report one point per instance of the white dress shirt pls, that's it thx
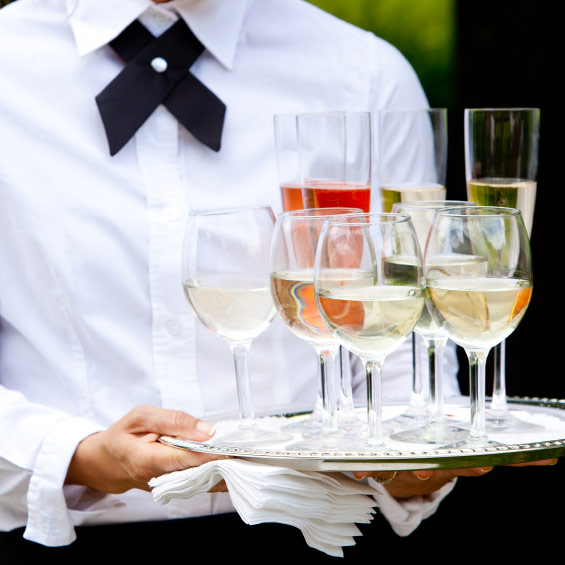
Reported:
(93, 316)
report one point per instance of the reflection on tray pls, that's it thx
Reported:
(547, 440)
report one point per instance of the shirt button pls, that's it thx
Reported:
(159, 64)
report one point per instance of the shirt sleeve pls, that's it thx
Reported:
(41, 444)
(405, 515)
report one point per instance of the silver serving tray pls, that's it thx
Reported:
(513, 448)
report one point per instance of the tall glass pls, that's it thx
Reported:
(226, 279)
(435, 430)
(335, 159)
(501, 162)
(412, 156)
(288, 169)
(292, 285)
(369, 303)
(477, 311)
(412, 164)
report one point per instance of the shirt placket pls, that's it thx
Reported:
(173, 328)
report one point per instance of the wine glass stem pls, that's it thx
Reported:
(240, 355)
(374, 401)
(477, 361)
(499, 389)
(346, 396)
(435, 348)
(326, 359)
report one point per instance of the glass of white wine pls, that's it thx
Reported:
(501, 163)
(369, 308)
(412, 165)
(292, 285)
(412, 155)
(478, 310)
(225, 270)
(436, 429)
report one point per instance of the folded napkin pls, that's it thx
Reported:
(324, 507)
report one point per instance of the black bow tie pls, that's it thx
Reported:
(156, 72)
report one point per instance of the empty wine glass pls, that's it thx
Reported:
(368, 303)
(225, 270)
(435, 430)
(501, 163)
(292, 285)
(477, 310)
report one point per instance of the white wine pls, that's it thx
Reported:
(512, 193)
(478, 313)
(235, 313)
(293, 295)
(371, 321)
(454, 265)
(410, 193)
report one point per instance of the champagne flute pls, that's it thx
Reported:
(288, 169)
(435, 430)
(335, 159)
(479, 310)
(501, 157)
(412, 164)
(292, 285)
(366, 307)
(225, 270)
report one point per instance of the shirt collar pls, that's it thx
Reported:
(216, 23)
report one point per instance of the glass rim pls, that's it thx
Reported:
(430, 204)
(414, 109)
(304, 213)
(503, 109)
(371, 217)
(498, 211)
(228, 210)
(333, 113)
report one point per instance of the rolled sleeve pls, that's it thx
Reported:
(405, 515)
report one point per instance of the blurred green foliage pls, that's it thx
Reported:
(423, 30)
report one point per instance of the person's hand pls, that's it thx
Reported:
(405, 484)
(127, 455)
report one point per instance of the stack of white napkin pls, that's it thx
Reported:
(324, 507)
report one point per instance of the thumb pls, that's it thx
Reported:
(164, 421)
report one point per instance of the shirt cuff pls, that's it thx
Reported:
(49, 520)
(405, 514)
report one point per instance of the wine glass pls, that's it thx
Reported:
(335, 159)
(225, 270)
(412, 164)
(478, 310)
(292, 285)
(369, 302)
(435, 430)
(501, 158)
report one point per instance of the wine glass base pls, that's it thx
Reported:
(252, 436)
(437, 433)
(473, 443)
(504, 421)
